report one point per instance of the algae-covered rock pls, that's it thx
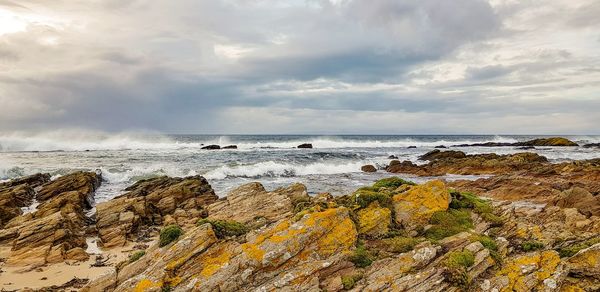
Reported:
(374, 221)
(416, 206)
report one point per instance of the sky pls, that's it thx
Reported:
(289, 67)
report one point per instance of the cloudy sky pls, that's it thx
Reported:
(313, 66)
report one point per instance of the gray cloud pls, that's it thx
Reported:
(377, 66)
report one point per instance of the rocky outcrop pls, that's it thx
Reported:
(305, 145)
(414, 207)
(437, 154)
(17, 194)
(368, 168)
(153, 202)
(553, 141)
(211, 147)
(586, 262)
(251, 201)
(56, 230)
(374, 221)
(288, 255)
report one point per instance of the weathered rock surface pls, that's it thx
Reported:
(150, 203)
(18, 193)
(250, 201)
(437, 154)
(414, 207)
(374, 221)
(289, 256)
(56, 230)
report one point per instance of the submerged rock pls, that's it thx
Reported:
(305, 145)
(230, 147)
(211, 147)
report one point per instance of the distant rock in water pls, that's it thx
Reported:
(554, 141)
(592, 145)
(440, 146)
(230, 147)
(368, 168)
(526, 148)
(212, 147)
(305, 145)
(437, 154)
(392, 157)
(411, 147)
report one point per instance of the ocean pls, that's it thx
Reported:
(333, 165)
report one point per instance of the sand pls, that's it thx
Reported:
(14, 278)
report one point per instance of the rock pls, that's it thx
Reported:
(56, 230)
(211, 147)
(586, 262)
(374, 221)
(148, 202)
(288, 256)
(82, 182)
(579, 198)
(526, 148)
(33, 181)
(411, 147)
(249, 201)
(415, 206)
(12, 199)
(230, 147)
(537, 271)
(392, 157)
(368, 168)
(437, 154)
(440, 147)
(592, 145)
(305, 145)
(554, 141)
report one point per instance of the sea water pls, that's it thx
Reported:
(333, 165)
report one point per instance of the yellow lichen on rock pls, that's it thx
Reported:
(212, 264)
(146, 285)
(374, 220)
(518, 271)
(416, 205)
(340, 239)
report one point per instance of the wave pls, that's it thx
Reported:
(278, 169)
(82, 140)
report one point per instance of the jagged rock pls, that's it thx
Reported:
(374, 221)
(18, 193)
(586, 262)
(286, 256)
(305, 145)
(537, 271)
(579, 198)
(148, 202)
(211, 147)
(437, 154)
(368, 168)
(250, 201)
(82, 182)
(397, 273)
(416, 206)
(33, 181)
(56, 230)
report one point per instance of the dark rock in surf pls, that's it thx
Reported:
(526, 147)
(440, 147)
(305, 145)
(592, 145)
(554, 141)
(368, 168)
(412, 147)
(230, 147)
(211, 147)
(392, 157)
(437, 154)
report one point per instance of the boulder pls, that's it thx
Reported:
(251, 201)
(305, 145)
(82, 182)
(586, 262)
(211, 147)
(374, 221)
(148, 203)
(437, 154)
(230, 147)
(416, 206)
(368, 168)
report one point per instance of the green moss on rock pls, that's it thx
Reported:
(169, 234)
(225, 228)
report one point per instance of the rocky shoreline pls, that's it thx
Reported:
(531, 225)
